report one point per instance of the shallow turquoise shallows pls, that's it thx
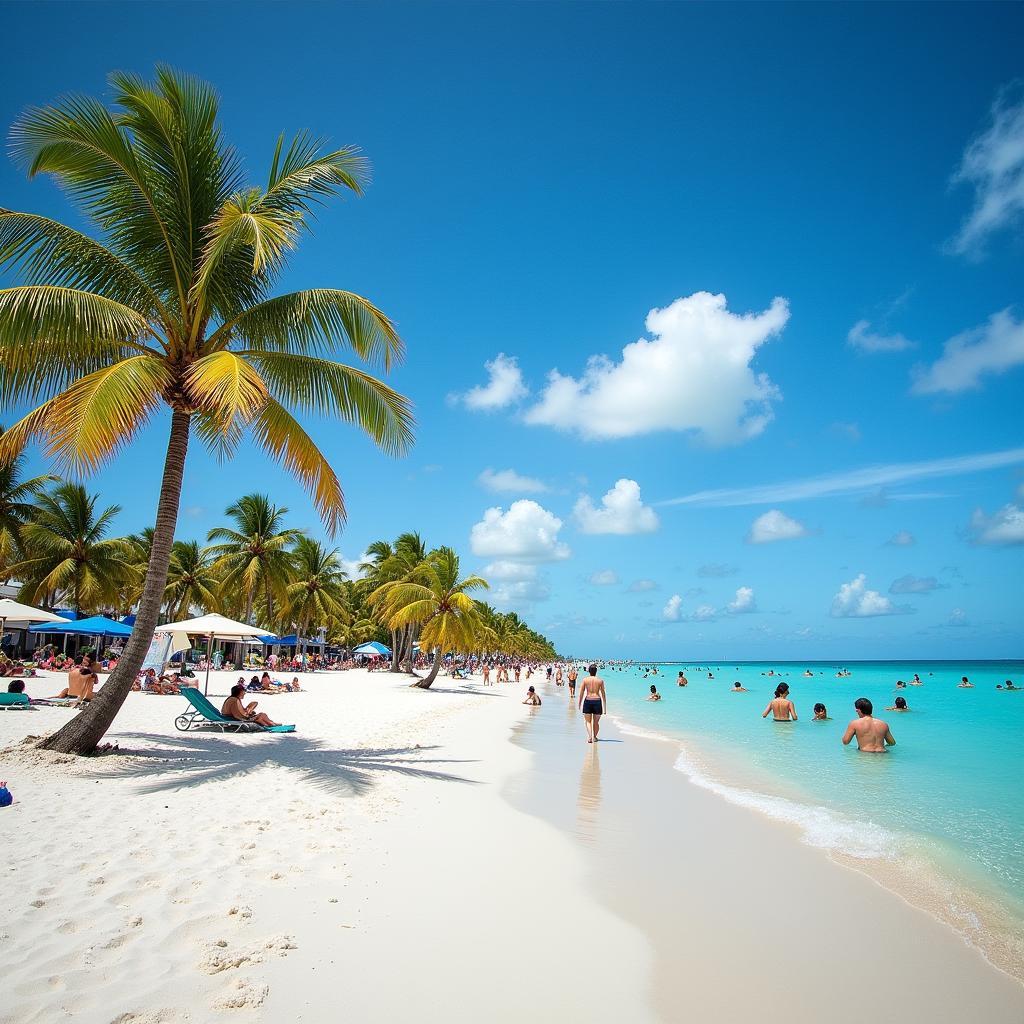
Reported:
(952, 789)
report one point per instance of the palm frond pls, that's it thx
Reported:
(227, 387)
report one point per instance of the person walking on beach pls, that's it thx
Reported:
(572, 677)
(780, 707)
(873, 735)
(592, 703)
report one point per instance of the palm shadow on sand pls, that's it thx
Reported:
(191, 759)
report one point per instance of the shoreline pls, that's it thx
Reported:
(635, 815)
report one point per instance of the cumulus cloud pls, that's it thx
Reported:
(639, 586)
(527, 532)
(901, 539)
(958, 617)
(705, 613)
(715, 570)
(994, 164)
(604, 578)
(351, 566)
(510, 480)
(1003, 528)
(774, 525)
(915, 585)
(510, 571)
(992, 348)
(855, 601)
(863, 339)
(518, 594)
(621, 511)
(743, 602)
(673, 610)
(693, 374)
(504, 386)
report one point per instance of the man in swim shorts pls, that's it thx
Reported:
(873, 735)
(592, 702)
(573, 675)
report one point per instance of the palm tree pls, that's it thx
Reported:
(17, 505)
(173, 309)
(68, 554)
(316, 594)
(253, 559)
(438, 602)
(191, 580)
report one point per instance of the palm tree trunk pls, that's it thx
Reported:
(84, 731)
(395, 652)
(424, 684)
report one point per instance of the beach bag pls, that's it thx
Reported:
(5, 796)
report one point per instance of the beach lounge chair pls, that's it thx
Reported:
(202, 713)
(14, 701)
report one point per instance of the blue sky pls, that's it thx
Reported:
(848, 179)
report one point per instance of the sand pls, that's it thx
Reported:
(398, 858)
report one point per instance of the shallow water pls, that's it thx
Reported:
(948, 797)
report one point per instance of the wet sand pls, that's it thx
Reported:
(743, 919)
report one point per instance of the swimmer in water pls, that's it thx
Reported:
(737, 688)
(900, 685)
(873, 735)
(916, 681)
(820, 713)
(654, 693)
(682, 680)
(1009, 686)
(899, 704)
(964, 684)
(780, 707)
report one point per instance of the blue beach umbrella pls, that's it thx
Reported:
(373, 647)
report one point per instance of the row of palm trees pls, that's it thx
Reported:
(57, 541)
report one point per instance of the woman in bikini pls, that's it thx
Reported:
(592, 703)
(780, 707)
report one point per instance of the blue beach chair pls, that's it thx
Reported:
(202, 713)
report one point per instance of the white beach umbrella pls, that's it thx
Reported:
(24, 613)
(214, 627)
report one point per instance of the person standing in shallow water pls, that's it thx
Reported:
(780, 707)
(592, 702)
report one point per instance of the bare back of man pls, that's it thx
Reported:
(873, 735)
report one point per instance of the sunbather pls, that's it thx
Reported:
(81, 681)
(234, 708)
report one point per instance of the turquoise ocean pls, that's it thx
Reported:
(940, 817)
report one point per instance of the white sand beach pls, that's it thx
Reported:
(370, 866)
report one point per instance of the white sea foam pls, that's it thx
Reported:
(819, 826)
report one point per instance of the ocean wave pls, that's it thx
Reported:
(819, 826)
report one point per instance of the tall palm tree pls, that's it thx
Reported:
(315, 595)
(253, 558)
(191, 580)
(17, 505)
(173, 309)
(68, 554)
(437, 601)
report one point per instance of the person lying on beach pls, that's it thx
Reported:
(592, 702)
(234, 708)
(294, 685)
(654, 693)
(964, 684)
(872, 733)
(899, 704)
(780, 707)
(255, 686)
(738, 687)
(820, 713)
(532, 697)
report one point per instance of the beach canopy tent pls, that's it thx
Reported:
(214, 627)
(373, 649)
(18, 612)
(96, 625)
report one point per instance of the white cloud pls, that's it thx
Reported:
(850, 481)
(855, 601)
(622, 511)
(915, 585)
(351, 566)
(1003, 528)
(673, 610)
(863, 339)
(773, 526)
(693, 374)
(743, 602)
(604, 578)
(518, 594)
(992, 348)
(994, 164)
(639, 586)
(527, 532)
(705, 613)
(510, 571)
(901, 539)
(510, 480)
(851, 431)
(504, 387)
(958, 617)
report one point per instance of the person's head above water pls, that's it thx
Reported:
(736, 685)
(863, 705)
(592, 669)
(819, 709)
(782, 689)
(900, 702)
(654, 689)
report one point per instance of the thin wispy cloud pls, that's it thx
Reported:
(864, 339)
(852, 481)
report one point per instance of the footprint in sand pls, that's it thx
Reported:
(38, 903)
(242, 994)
